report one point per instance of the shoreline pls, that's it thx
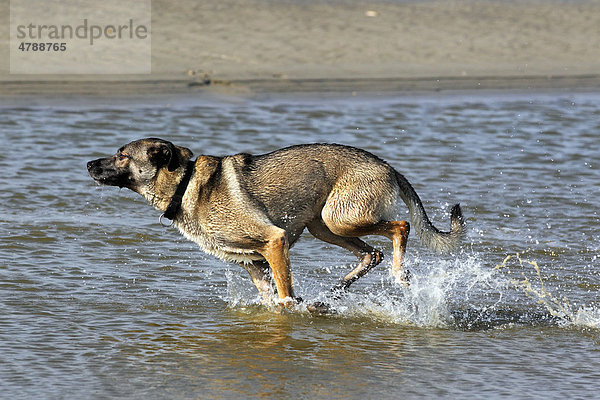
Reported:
(243, 48)
(179, 85)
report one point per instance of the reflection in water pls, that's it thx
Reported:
(252, 352)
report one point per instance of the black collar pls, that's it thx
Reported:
(175, 204)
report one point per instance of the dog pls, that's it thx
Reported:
(250, 209)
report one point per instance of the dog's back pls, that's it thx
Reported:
(341, 184)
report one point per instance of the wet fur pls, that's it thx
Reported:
(250, 209)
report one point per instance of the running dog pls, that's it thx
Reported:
(250, 209)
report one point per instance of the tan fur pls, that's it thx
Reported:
(251, 209)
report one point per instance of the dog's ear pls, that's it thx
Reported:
(183, 155)
(166, 153)
(161, 154)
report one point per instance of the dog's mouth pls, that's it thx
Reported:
(101, 181)
(112, 181)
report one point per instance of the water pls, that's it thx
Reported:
(100, 301)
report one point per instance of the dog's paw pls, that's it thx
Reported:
(402, 277)
(320, 308)
(289, 303)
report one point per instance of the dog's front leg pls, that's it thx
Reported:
(276, 252)
(259, 272)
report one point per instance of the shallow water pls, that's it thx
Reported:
(98, 300)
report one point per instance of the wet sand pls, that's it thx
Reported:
(252, 46)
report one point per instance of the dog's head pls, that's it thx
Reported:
(137, 165)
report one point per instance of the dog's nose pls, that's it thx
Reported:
(93, 167)
(91, 164)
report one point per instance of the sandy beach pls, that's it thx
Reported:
(348, 45)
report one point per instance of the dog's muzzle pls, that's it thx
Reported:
(104, 172)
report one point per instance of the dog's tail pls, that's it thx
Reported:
(433, 238)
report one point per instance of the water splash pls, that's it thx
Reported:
(561, 308)
(464, 293)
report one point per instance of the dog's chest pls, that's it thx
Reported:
(213, 245)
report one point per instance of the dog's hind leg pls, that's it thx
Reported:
(368, 256)
(396, 231)
(259, 272)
